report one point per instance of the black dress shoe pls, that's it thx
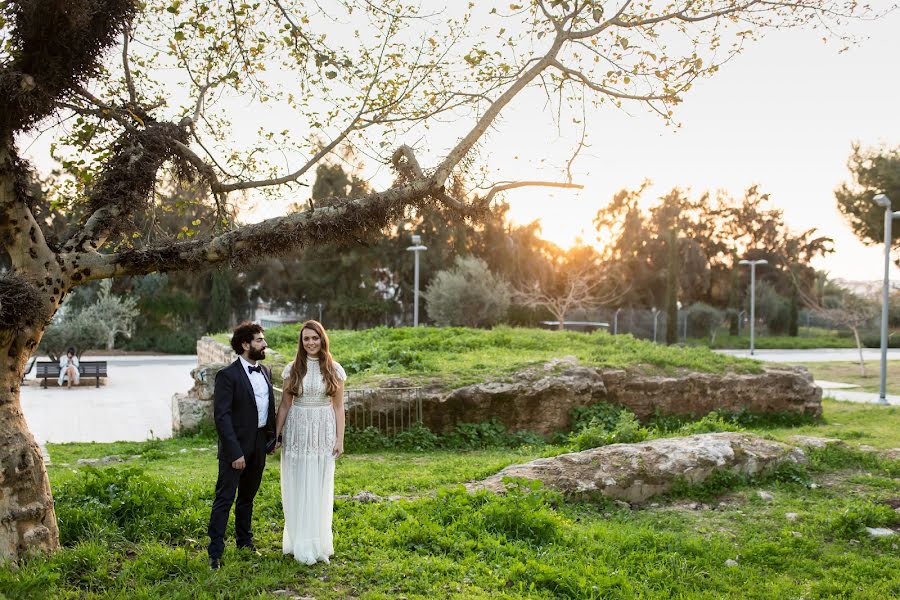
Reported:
(215, 563)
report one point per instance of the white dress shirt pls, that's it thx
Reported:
(260, 390)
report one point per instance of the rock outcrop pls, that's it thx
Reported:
(191, 409)
(538, 400)
(637, 472)
(541, 399)
(775, 390)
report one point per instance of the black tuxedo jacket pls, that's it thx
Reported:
(234, 410)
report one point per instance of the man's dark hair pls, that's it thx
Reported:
(245, 332)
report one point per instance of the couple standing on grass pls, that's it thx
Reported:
(309, 428)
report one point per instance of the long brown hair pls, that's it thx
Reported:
(293, 384)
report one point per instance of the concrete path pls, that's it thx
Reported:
(861, 397)
(818, 355)
(134, 405)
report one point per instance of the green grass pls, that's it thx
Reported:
(456, 356)
(137, 530)
(868, 424)
(780, 342)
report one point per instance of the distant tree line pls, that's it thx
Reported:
(680, 248)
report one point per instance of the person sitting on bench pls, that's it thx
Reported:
(68, 368)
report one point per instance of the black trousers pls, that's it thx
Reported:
(244, 483)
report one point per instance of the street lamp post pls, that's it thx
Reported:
(889, 216)
(753, 264)
(616, 321)
(655, 317)
(415, 249)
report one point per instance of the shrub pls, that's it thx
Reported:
(602, 412)
(855, 515)
(627, 430)
(711, 423)
(418, 438)
(468, 294)
(704, 320)
(126, 504)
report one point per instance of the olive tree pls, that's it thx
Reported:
(161, 90)
(468, 295)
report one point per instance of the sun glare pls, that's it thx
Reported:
(566, 218)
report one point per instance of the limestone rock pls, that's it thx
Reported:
(809, 441)
(99, 462)
(765, 496)
(365, 497)
(540, 399)
(637, 472)
(731, 563)
(188, 412)
(775, 390)
(536, 400)
(880, 532)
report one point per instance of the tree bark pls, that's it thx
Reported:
(27, 517)
(29, 295)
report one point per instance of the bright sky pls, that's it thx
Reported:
(783, 114)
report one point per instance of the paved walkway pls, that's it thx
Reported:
(818, 355)
(134, 405)
(862, 397)
(836, 391)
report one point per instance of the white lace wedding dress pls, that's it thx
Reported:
(307, 469)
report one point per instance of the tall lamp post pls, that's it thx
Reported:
(616, 321)
(753, 264)
(415, 249)
(655, 317)
(885, 202)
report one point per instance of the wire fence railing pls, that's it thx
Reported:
(390, 410)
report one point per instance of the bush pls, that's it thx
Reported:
(126, 505)
(165, 340)
(855, 515)
(602, 412)
(711, 423)
(468, 295)
(704, 320)
(465, 436)
(78, 330)
(627, 430)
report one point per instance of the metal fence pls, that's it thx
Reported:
(390, 410)
(640, 323)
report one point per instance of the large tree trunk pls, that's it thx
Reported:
(27, 518)
(30, 293)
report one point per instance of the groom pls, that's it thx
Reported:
(244, 411)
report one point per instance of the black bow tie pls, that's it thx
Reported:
(256, 369)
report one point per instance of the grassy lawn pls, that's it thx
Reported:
(779, 342)
(137, 530)
(458, 356)
(848, 372)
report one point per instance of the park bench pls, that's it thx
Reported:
(87, 368)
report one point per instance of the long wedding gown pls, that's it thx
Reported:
(307, 469)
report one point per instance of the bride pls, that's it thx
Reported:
(310, 431)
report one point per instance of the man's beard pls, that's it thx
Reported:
(254, 354)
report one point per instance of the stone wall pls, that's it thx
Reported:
(212, 352)
(194, 407)
(540, 399)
